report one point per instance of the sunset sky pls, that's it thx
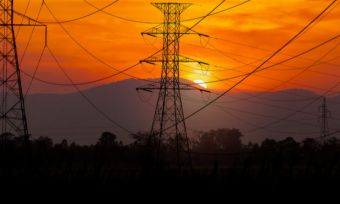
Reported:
(240, 39)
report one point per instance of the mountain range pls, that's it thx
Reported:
(258, 115)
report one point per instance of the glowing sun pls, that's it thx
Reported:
(201, 83)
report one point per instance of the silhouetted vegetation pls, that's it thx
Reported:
(218, 158)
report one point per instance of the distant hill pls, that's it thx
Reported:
(69, 116)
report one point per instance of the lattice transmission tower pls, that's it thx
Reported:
(325, 114)
(12, 108)
(168, 123)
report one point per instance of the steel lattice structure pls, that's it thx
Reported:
(168, 123)
(12, 110)
(325, 113)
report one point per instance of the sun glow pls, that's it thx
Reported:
(201, 83)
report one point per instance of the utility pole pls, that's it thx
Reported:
(168, 122)
(325, 113)
(12, 109)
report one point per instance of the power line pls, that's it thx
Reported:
(23, 18)
(261, 115)
(261, 68)
(36, 20)
(106, 64)
(257, 68)
(101, 79)
(123, 71)
(297, 111)
(294, 113)
(299, 73)
(268, 50)
(279, 107)
(80, 83)
(219, 80)
(84, 83)
(267, 90)
(83, 95)
(258, 48)
(267, 129)
(91, 53)
(288, 81)
(316, 63)
(82, 17)
(321, 17)
(304, 68)
(225, 79)
(35, 72)
(223, 68)
(334, 132)
(121, 18)
(153, 22)
(258, 114)
(31, 34)
(87, 99)
(217, 12)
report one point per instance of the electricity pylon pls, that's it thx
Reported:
(168, 123)
(325, 113)
(12, 109)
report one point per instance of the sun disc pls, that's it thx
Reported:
(201, 83)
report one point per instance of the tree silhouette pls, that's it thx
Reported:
(108, 139)
(218, 156)
(220, 140)
(44, 142)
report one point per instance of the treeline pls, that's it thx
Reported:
(217, 155)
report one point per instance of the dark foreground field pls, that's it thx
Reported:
(275, 168)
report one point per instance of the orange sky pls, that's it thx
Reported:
(246, 35)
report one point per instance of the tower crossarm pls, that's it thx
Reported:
(28, 20)
(184, 30)
(181, 59)
(182, 86)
